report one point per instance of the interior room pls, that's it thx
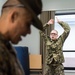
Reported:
(33, 44)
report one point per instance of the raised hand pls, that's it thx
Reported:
(51, 21)
(58, 20)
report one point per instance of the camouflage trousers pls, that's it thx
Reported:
(54, 69)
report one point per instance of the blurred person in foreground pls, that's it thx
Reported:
(15, 21)
(54, 44)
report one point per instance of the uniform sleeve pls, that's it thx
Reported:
(66, 32)
(44, 36)
(4, 65)
(45, 26)
(42, 33)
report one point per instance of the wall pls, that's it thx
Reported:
(69, 72)
(58, 5)
(1, 3)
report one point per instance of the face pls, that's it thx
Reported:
(21, 27)
(54, 35)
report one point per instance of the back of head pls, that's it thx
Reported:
(33, 6)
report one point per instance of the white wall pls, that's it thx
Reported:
(69, 72)
(58, 5)
(1, 3)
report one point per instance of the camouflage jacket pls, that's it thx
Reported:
(54, 48)
(9, 64)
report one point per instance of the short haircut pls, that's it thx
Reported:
(9, 2)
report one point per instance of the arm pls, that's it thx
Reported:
(63, 36)
(66, 28)
(50, 22)
(44, 36)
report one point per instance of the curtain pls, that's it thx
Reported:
(45, 17)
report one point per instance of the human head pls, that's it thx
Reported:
(54, 34)
(19, 15)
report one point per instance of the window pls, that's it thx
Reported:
(70, 19)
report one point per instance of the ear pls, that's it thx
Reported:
(14, 16)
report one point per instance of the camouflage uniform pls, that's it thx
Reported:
(9, 65)
(54, 54)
